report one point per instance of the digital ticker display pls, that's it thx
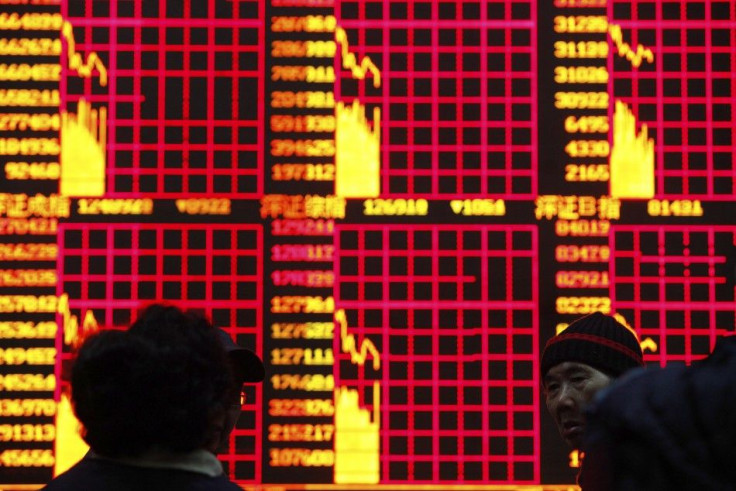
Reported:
(395, 203)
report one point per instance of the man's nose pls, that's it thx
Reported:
(566, 397)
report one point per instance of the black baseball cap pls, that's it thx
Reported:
(247, 366)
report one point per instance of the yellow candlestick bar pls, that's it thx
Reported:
(357, 152)
(83, 151)
(69, 447)
(357, 439)
(632, 157)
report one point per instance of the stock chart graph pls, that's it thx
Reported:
(395, 203)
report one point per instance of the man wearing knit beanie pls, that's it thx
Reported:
(581, 360)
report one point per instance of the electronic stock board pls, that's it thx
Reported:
(394, 202)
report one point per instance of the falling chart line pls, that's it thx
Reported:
(348, 344)
(624, 49)
(73, 335)
(84, 69)
(350, 60)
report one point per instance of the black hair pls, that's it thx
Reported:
(161, 383)
(108, 387)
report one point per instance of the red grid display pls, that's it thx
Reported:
(183, 119)
(115, 269)
(458, 339)
(670, 283)
(457, 95)
(687, 95)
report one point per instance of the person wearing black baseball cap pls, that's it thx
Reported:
(580, 361)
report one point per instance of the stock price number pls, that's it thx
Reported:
(302, 252)
(301, 457)
(299, 304)
(581, 75)
(586, 172)
(302, 356)
(580, 49)
(675, 208)
(581, 23)
(583, 305)
(581, 279)
(27, 407)
(395, 207)
(31, 356)
(297, 73)
(302, 148)
(583, 253)
(303, 172)
(582, 228)
(308, 226)
(300, 432)
(588, 148)
(300, 49)
(586, 124)
(302, 124)
(581, 100)
(315, 382)
(27, 433)
(304, 330)
(27, 458)
(301, 407)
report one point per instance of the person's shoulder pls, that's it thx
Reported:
(80, 475)
(225, 484)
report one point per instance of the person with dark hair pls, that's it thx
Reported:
(242, 365)
(153, 403)
(580, 361)
(670, 428)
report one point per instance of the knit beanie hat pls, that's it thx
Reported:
(597, 340)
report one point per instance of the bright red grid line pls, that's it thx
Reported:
(419, 100)
(662, 306)
(386, 458)
(162, 23)
(434, 24)
(679, 50)
(453, 171)
(372, 51)
(208, 304)
(170, 48)
(460, 124)
(648, 75)
(683, 25)
(458, 24)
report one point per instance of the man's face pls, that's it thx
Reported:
(225, 424)
(569, 387)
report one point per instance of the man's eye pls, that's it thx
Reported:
(578, 380)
